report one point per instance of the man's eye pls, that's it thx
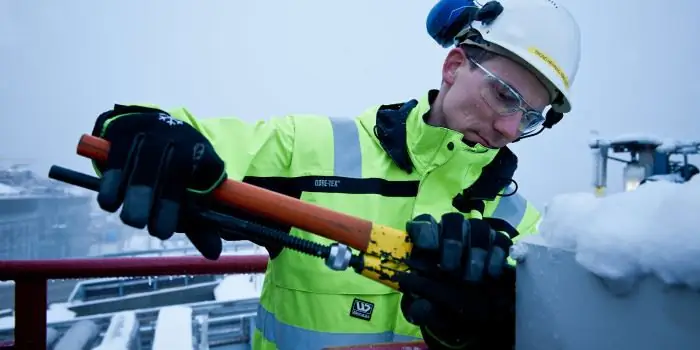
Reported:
(507, 97)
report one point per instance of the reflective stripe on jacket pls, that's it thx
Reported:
(341, 164)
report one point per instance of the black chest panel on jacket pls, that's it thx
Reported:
(390, 130)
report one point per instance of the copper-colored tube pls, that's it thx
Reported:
(346, 229)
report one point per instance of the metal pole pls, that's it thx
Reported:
(30, 313)
(600, 166)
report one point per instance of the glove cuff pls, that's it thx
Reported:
(103, 121)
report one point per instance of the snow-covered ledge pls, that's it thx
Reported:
(613, 273)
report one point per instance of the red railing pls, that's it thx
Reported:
(31, 278)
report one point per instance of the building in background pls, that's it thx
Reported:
(41, 218)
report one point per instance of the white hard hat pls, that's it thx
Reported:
(540, 34)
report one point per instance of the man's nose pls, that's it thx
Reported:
(509, 126)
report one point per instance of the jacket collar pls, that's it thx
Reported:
(414, 145)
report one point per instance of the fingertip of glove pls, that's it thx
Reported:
(419, 311)
(108, 196)
(207, 243)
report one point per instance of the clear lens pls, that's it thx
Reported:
(499, 96)
(531, 121)
(503, 99)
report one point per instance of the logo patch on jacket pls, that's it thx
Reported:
(361, 309)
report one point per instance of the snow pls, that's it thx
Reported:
(625, 236)
(667, 177)
(120, 332)
(8, 190)
(173, 328)
(642, 138)
(78, 191)
(57, 312)
(141, 242)
(79, 335)
(676, 146)
(668, 146)
(595, 141)
(664, 145)
(239, 286)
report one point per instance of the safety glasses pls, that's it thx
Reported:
(506, 101)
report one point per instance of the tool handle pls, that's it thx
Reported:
(352, 231)
(74, 178)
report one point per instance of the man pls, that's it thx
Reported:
(437, 166)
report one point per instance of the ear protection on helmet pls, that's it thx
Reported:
(552, 118)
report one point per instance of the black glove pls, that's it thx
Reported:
(460, 289)
(161, 169)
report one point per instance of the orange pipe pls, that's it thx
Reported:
(343, 228)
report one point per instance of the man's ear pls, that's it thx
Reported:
(454, 60)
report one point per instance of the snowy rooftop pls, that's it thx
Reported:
(56, 312)
(19, 180)
(676, 146)
(6, 190)
(666, 145)
(638, 137)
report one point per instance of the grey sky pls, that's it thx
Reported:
(64, 62)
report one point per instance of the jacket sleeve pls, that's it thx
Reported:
(248, 148)
(261, 148)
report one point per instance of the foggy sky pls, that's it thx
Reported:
(64, 62)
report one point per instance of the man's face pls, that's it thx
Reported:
(475, 94)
